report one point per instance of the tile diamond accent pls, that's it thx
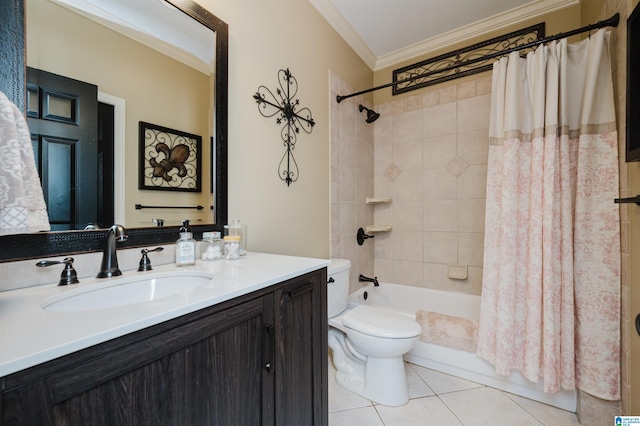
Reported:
(457, 166)
(392, 172)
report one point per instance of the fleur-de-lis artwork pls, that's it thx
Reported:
(169, 159)
(173, 158)
(286, 107)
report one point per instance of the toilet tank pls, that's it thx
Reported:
(338, 289)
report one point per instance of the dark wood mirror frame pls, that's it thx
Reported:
(12, 72)
(633, 86)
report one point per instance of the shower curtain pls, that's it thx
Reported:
(551, 277)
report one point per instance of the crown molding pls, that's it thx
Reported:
(475, 30)
(344, 29)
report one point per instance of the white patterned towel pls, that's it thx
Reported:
(22, 206)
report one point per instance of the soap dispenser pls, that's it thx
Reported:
(185, 246)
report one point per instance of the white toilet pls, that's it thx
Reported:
(367, 343)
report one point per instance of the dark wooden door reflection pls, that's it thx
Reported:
(62, 115)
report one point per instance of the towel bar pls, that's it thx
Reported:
(140, 206)
(635, 200)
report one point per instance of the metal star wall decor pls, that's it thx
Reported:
(293, 119)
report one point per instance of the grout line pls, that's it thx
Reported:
(507, 394)
(379, 416)
(450, 410)
(438, 395)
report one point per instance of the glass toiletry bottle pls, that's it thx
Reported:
(232, 247)
(236, 228)
(212, 246)
(185, 246)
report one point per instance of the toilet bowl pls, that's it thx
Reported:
(368, 343)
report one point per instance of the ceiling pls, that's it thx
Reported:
(386, 32)
(154, 23)
(382, 32)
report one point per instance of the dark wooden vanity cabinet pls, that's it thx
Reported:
(259, 359)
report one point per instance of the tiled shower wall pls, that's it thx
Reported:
(430, 157)
(351, 179)
(428, 153)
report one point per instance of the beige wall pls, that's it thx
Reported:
(56, 38)
(266, 36)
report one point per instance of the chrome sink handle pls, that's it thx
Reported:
(68, 276)
(145, 263)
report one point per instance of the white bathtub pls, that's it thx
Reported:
(408, 300)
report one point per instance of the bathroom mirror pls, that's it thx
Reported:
(633, 86)
(68, 242)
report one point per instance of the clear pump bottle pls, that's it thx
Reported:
(185, 246)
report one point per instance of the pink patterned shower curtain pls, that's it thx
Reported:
(551, 280)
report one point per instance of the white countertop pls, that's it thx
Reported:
(30, 335)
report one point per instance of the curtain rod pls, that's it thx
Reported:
(611, 22)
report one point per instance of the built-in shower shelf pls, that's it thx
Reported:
(378, 228)
(374, 200)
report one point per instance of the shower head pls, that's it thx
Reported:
(371, 114)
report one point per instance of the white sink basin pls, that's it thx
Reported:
(117, 292)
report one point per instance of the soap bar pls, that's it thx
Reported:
(458, 272)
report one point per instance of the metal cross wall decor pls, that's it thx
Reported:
(286, 107)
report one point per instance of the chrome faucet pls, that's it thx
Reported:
(373, 280)
(109, 266)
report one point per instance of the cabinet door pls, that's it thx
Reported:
(210, 371)
(301, 367)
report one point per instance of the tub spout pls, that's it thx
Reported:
(373, 280)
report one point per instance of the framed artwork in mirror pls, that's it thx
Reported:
(169, 159)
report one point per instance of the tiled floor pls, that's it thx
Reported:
(441, 399)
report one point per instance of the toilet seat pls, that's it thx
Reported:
(380, 323)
